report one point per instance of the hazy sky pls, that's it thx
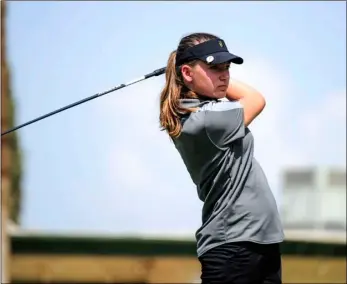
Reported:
(104, 166)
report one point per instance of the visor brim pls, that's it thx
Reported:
(222, 57)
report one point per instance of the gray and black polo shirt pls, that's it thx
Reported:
(217, 150)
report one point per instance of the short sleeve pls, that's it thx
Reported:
(224, 122)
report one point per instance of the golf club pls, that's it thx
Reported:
(157, 72)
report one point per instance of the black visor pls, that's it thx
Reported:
(211, 52)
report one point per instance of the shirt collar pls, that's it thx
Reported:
(195, 103)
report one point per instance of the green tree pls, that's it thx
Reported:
(8, 114)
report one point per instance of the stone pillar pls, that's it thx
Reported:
(5, 156)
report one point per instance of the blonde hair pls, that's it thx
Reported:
(170, 109)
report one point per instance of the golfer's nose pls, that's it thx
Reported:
(224, 76)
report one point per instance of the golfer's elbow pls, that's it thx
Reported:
(261, 102)
(253, 105)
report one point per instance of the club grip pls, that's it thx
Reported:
(157, 72)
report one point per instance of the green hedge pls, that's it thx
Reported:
(146, 247)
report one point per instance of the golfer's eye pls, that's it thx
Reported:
(220, 67)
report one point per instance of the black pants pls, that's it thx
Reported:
(242, 263)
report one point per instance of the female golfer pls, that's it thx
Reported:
(238, 241)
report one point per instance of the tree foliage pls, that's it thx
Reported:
(8, 113)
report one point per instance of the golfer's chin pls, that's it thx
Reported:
(220, 94)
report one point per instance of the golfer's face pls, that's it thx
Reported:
(211, 80)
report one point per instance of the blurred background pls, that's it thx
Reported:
(98, 192)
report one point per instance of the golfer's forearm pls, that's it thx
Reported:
(253, 102)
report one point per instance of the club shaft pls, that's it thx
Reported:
(154, 73)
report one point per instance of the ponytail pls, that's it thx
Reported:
(170, 108)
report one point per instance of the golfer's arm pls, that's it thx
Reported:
(252, 101)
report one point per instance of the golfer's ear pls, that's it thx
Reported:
(186, 71)
(224, 123)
